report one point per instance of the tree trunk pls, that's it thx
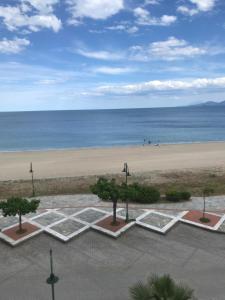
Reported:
(20, 223)
(204, 206)
(114, 211)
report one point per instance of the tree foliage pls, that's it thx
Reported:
(135, 192)
(18, 206)
(107, 190)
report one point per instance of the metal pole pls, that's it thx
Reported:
(127, 210)
(52, 279)
(53, 292)
(126, 172)
(32, 179)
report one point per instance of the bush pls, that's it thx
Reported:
(139, 193)
(175, 196)
(134, 192)
(185, 195)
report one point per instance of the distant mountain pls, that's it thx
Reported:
(211, 103)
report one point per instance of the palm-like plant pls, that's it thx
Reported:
(161, 288)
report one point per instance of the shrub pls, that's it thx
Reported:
(175, 196)
(148, 195)
(134, 192)
(185, 195)
(139, 193)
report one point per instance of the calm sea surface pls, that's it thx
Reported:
(103, 128)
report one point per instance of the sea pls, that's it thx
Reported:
(45, 130)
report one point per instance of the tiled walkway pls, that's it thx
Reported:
(67, 223)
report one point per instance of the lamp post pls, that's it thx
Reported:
(32, 179)
(52, 279)
(127, 173)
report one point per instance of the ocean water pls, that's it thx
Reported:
(104, 128)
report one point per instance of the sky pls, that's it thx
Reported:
(103, 54)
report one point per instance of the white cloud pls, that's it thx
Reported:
(124, 28)
(144, 18)
(101, 55)
(113, 70)
(152, 2)
(13, 46)
(187, 11)
(43, 6)
(132, 29)
(167, 85)
(94, 9)
(199, 6)
(16, 17)
(170, 49)
(204, 5)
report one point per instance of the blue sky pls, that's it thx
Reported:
(91, 54)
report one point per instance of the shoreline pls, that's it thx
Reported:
(109, 147)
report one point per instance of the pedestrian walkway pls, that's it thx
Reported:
(66, 217)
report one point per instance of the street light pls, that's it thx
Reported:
(32, 179)
(52, 279)
(127, 173)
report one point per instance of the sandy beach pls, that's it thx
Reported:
(84, 162)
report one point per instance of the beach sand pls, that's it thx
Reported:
(85, 162)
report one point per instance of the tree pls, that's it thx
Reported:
(207, 191)
(107, 190)
(18, 206)
(161, 288)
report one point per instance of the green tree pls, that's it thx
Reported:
(161, 288)
(107, 190)
(18, 206)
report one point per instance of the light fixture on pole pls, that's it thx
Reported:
(32, 179)
(127, 173)
(52, 279)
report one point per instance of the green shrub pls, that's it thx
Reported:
(139, 193)
(133, 192)
(175, 196)
(185, 195)
(148, 195)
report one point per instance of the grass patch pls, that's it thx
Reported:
(192, 181)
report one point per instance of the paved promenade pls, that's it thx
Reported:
(95, 267)
(216, 203)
